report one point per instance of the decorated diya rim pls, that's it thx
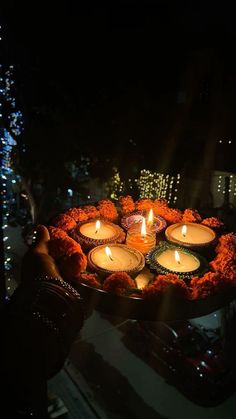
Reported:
(91, 241)
(151, 259)
(128, 221)
(137, 268)
(171, 239)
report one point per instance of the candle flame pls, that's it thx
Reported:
(184, 230)
(143, 228)
(98, 225)
(177, 256)
(108, 252)
(150, 217)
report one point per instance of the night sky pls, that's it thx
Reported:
(92, 73)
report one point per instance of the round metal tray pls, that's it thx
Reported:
(168, 308)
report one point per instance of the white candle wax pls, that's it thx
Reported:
(187, 262)
(122, 259)
(105, 231)
(143, 278)
(195, 234)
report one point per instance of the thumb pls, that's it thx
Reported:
(42, 239)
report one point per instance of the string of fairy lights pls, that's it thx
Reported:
(158, 185)
(11, 126)
(150, 184)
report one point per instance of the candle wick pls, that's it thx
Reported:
(96, 231)
(178, 262)
(111, 258)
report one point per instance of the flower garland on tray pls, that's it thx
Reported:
(73, 261)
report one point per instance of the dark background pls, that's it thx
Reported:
(105, 81)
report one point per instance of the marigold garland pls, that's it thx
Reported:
(144, 204)
(90, 279)
(166, 283)
(107, 210)
(78, 214)
(127, 204)
(191, 216)
(68, 254)
(72, 261)
(65, 222)
(212, 222)
(208, 284)
(91, 211)
(118, 283)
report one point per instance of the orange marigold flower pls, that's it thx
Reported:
(223, 261)
(210, 283)
(61, 246)
(127, 204)
(229, 274)
(212, 222)
(166, 283)
(227, 242)
(107, 210)
(160, 202)
(191, 216)
(160, 206)
(56, 233)
(171, 215)
(118, 283)
(144, 204)
(90, 279)
(78, 214)
(65, 222)
(91, 211)
(72, 265)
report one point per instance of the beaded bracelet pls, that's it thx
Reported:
(60, 282)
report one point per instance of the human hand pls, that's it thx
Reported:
(37, 261)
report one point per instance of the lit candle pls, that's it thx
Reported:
(108, 253)
(98, 226)
(141, 239)
(155, 223)
(150, 218)
(184, 230)
(98, 230)
(115, 258)
(178, 261)
(190, 234)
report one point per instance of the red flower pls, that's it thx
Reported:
(118, 283)
(127, 204)
(65, 222)
(107, 210)
(90, 279)
(77, 214)
(191, 216)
